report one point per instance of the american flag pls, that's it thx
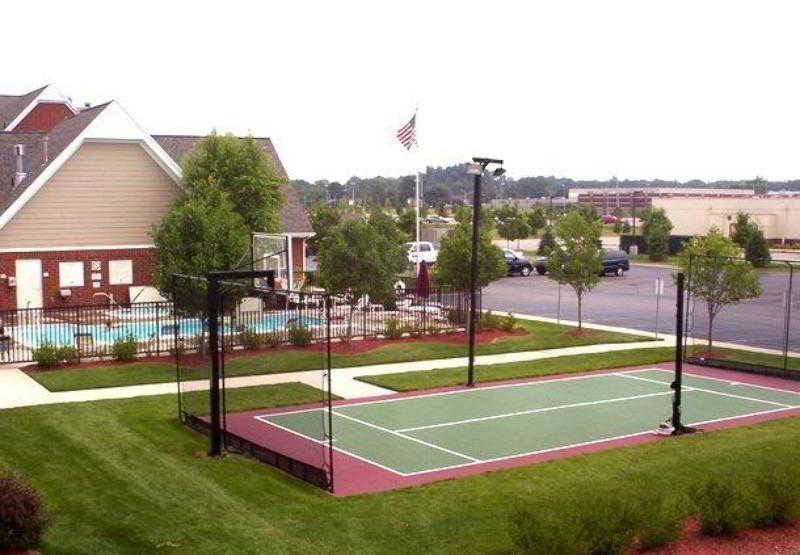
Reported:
(407, 135)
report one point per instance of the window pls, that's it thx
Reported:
(120, 272)
(70, 274)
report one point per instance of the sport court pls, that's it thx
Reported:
(419, 435)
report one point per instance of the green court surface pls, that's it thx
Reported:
(417, 434)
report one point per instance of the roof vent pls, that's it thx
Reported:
(19, 157)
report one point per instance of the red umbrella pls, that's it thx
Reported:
(423, 281)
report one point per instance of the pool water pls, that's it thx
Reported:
(65, 334)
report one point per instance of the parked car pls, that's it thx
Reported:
(608, 219)
(517, 264)
(425, 253)
(615, 262)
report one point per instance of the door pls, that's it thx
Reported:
(29, 283)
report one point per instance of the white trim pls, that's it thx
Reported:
(305, 257)
(77, 248)
(290, 263)
(299, 235)
(50, 95)
(112, 124)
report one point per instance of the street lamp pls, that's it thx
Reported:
(476, 169)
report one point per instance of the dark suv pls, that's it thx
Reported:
(614, 262)
(517, 264)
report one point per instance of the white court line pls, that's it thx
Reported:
(701, 377)
(398, 434)
(720, 393)
(532, 411)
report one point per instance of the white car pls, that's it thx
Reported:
(426, 252)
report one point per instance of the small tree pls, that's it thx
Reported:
(241, 168)
(407, 223)
(357, 259)
(749, 236)
(453, 265)
(512, 224)
(547, 242)
(656, 230)
(716, 275)
(537, 219)
(577, 258)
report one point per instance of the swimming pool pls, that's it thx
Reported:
(60, 334)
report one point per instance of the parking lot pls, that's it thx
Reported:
(630, 301)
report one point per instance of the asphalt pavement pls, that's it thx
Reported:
(631, 301)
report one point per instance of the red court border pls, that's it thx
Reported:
(353, 476)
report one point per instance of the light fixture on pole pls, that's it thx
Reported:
(476, 169)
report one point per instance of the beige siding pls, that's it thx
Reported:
(778, 217)
(106, 194)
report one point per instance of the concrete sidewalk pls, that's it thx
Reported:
(17, 389)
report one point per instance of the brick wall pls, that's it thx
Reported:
(44, 117)
(142, 260)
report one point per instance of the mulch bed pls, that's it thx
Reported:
(775, 539)
(349, 348)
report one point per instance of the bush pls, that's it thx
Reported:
(778, 494)
(393, 329)
(724, 507)
(299, 335)
(535, 533)
(251, 340)
(48, 355)
(508, 323)
(274, 339)
(660, 522)
(22, 518)
(124, 348)
(489, 321)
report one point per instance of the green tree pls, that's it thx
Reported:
(407, 223)
(356, 259)
(512, 224)
(200, 234)
(242, 169)
(547, 242)
(656, 229)
(455, 253)
(323, 218)
(387, 228)
(537, 219)
(577, 258)
(716, 274)
(749, 236)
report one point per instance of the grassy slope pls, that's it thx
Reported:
(540, 336)
(123, 477)
(410, 381)
(749, 357)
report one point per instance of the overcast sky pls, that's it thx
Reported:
(636, 89)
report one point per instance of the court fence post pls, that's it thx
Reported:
(215, 447)
(329, 384)
(677, 386)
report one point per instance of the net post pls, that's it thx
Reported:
(677, 385)
(215, 447)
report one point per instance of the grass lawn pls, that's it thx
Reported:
(749, 357)
(124, 476)
(540, 335)
(411, 381)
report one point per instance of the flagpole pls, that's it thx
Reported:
(416, 193)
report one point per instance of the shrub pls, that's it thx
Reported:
(299, 335)
(608, 525)
(536, 533)
(660, 522)
(489, 321)
(723, 507)
(48, 355)
(124, 348)
(778, 494)
(22, 518)
(508, 323)
(393, 329)
(273, 339)
(251, 340)
(458, 316)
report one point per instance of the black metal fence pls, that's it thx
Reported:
(257, 320)
(744, 325)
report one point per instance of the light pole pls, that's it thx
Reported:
(476, 169)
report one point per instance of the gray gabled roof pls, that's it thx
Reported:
(294, 218)
(13, 105)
